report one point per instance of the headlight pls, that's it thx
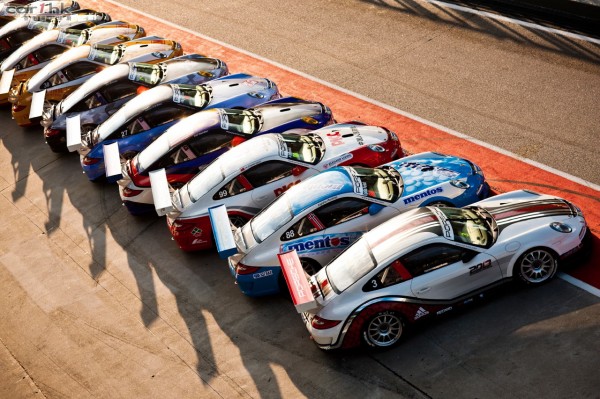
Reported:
(376, 148)
(460, 184)
(561, 227)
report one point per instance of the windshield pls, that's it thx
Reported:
(472, 226)
(350, 266)
(309, 148)
(384, 183)
(271, 219)
(195, 96)
(105, 53)
(238, 121)
(71, 37)
(146, 73)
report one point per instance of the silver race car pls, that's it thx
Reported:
(430, 261)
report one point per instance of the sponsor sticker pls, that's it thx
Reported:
(266, 273)
(224, 120)
(337, 161)
(321, 243)
(420, 313)
(447, 230)
(421, 195)
(177, 94)
(442, 311)
(359, 186)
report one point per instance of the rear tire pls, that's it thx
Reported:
(311, 267)
(383, 330)
(237, 220)
(536, 266)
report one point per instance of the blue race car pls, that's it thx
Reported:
(190, 145)
(140, 121)
(323, 215)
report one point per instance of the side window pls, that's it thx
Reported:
(431, 257)
(166, 113)
(256, 176)
(197, 146)
(46, 53)
(268, 172)
(328, 215)
(394, 273)
(210, 141)
(91, 101)
(72, 72)
(119, 90)
(81, 69)
(236, 186)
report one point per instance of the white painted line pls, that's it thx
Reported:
(370, 100)
(514, 21)
(580, 284)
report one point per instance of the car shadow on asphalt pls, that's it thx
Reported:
(498, 29)
(267, 332)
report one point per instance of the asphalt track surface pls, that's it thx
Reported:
(96, 303)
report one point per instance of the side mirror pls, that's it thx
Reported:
(374, 209)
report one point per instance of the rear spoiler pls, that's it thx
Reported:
(112, 162)
(37, 104)
(161, 192)
(222, 232)
(73, 133)
(297, 281)
(6, 80)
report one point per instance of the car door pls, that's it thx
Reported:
(328, 229)
(445, 271)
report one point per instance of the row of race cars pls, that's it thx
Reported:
(366, 239)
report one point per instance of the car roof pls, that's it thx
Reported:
(134, 107)
(403, 231)
(179, 132)
(325, 185)
(96, 82)
(70, 56)
(35, 43)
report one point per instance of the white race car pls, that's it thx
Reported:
(322, 216)
(430, 261)
(248, 177)
(190, 145)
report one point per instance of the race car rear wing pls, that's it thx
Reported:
(221, 227)
(74, 133)
(112, 162)
(161, 192)
(37, 104)
(6, 81)
(297, 281)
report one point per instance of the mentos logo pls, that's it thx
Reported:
(322, 243)
(424, 194)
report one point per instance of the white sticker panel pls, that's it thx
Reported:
(37, 104)
(73, 133)
(6, 80)
(161, 192)
(112, 161)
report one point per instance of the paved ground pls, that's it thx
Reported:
(96, 303)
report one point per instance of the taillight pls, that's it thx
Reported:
(243, 269)
(18, 108)
(323, 324)
(52, 132)
(127, 192)
(90, 161)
